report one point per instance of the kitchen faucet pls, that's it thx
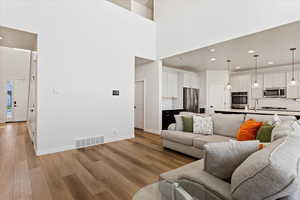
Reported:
(255, 104)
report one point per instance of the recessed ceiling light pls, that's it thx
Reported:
(213, 59)
(1, 38)
(212, 50)
(237, 67)
(270, 63)
(251, 51)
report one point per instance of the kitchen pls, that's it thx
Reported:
(257, 73)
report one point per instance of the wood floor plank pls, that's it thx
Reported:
(113, 171)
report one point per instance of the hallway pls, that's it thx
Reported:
(113, 171)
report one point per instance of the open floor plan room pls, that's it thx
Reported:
(149, 100)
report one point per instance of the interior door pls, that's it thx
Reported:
(139, 105)
(31, 119)
(20, 100)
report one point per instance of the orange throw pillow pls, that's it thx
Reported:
(248, 130)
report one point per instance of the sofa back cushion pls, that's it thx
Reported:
(227, 124)
(270, 173)
(271, 119)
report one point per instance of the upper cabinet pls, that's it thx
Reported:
(241, 82)
(170, 84)
(275, 80)
(293, 91)
(191, 80)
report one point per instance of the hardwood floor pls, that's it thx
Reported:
(113, 171)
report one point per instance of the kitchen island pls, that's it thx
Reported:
(260, 112)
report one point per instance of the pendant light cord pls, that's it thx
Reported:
(293, 55)
(256, 67)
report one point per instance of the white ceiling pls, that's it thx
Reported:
(141, 61)
(272, 45)
(147, 3)
(18, 39)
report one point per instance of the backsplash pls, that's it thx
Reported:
(278, 102)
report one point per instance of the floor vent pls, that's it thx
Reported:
(89, 141)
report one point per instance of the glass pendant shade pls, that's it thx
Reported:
(228, 85)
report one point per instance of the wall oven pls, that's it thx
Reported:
(239, 100)
(275, 93)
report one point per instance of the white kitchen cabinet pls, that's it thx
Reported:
(257, 92)
(275, 80)
(240, 83)
(170, 84)
(293, 91)
(191, 80)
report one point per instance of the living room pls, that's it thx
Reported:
(95, 56)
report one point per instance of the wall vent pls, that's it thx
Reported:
(89, 141)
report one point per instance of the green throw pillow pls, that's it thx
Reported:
(188, 123)
(264, 134)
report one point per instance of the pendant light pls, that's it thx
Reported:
(228, 86)
(256, 84)
(293, 81)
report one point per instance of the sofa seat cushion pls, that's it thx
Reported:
(201, 140)
(270, 173)
(227, 124)
(179, 137)
(194, 172)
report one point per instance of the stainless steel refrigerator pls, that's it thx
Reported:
(191, 100)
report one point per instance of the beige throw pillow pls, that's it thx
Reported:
(221, 159)
(202, 125)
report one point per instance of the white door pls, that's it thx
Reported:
(139, 105)
(20, 100)
(31, 119)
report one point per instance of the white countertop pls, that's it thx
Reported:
(279, 112)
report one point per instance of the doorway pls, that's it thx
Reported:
(139, 105)
(17, 100)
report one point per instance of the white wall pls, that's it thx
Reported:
(86, 49)
(151, 73)
(187, 25)
(14, 65)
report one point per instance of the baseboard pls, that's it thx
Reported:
(55, 150)
(158, 132)
(72, 147)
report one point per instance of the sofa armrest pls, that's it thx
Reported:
(172, 127)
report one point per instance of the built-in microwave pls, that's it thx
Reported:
(239, 100)
(275, 93)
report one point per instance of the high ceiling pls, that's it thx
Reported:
(17, 39)
(141, 61)
(272, 45)
(147, 3)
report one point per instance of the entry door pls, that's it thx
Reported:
(20, 100)
(139, 105)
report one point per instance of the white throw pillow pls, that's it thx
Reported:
(203, 125)
(179, 122)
